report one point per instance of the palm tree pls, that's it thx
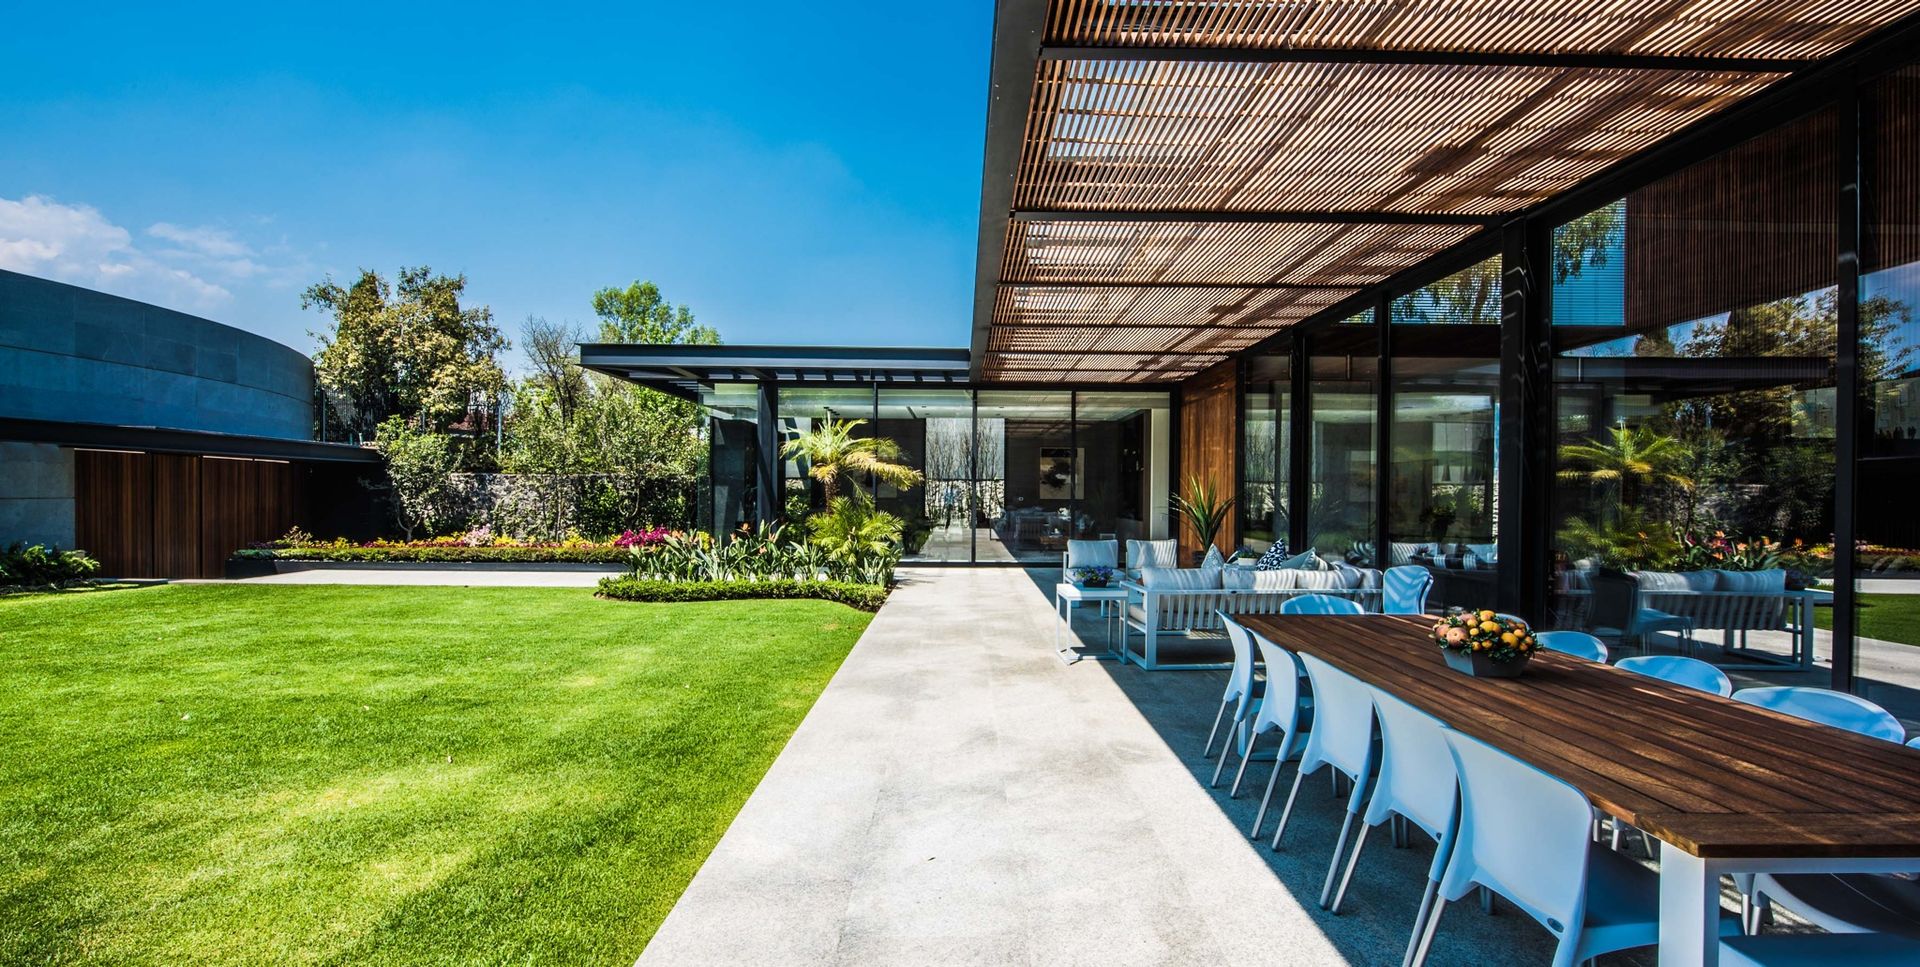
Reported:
(1633, 457)
(834, 454)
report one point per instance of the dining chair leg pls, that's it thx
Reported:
(1233, 733)
(1245, 757)
(1353, 860)
(1287, 811)
(1426, 935)
(1486, 901)
(1207, 750)
(1616, 834)
(1420, 918)
(1272, 780)
(1339, 849)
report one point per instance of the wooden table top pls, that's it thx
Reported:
(1714, 777)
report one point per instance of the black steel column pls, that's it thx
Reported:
(766, 500)
(1299, 443)
(1383, 427)
(1073, 462)
(1526, 425)
(1848, 411)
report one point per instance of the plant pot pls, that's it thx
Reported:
(1096, 585)
(1480, 666)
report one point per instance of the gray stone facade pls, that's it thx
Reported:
(36, 494)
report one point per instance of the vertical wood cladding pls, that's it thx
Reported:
(1209, 444)
(147, 515)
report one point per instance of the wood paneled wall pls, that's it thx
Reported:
(1210, 445)
(166, 515)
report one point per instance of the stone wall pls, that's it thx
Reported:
(36, 494)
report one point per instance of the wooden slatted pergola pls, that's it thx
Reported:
(1169, 183)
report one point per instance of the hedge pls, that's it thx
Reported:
(866, 597)
(444, 554)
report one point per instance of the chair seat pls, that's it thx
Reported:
(1623, 904)
(1819, 950)
(1848, 902)
(1653, 619)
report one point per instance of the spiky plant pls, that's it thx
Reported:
(1204, 507)
(835, 456)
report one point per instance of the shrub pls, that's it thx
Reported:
(865, 597)
(39, 565)
(440, 554)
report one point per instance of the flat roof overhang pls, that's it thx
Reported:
(682, 370)
(1168, 185)
(158, 439)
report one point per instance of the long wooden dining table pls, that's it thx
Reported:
(1726, 787)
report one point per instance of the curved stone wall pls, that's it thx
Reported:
(77, 355)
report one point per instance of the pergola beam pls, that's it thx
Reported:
(1436, 58)
(1295, 216)
(1076, 284)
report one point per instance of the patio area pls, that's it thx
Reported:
(958, 795)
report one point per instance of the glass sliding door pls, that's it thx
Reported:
(733, 454)
(1343, 366)
(1442, 511)
(1263, 456)
(934, 430)
(1115, 434)
(1040, 472)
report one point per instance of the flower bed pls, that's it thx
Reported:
(866, 597)
(476, 546)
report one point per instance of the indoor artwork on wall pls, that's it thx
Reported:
(1062, 471)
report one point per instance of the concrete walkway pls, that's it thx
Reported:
(960, 796)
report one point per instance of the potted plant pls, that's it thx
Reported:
(1098, 576)
(1484, 644)
(1205, 509)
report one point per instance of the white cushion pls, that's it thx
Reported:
(1320, 581)
(1146, 554)
(1214, 558)
(1402, 552)
(1306, 560)
(1241, 579)
(1181, 578)
(1752, 582)
(1093, 553)
(1487, 553)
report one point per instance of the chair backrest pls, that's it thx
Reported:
(1320, 604)
(1145, 554)
(1827, 707)
(1240, 678)
(1283, 684)
(1691, 672)
(1523, 834)
(1342, 733)
(1573, 643)
(1093, 554)
(1416, 770)
(1406, 589)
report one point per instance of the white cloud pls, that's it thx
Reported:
(203, 240)
(78, 245)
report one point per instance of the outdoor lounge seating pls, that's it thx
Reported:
(1182, 602)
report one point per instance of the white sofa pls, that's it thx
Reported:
(1183, 601)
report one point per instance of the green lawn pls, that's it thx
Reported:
(230, 774)
(1888, 617)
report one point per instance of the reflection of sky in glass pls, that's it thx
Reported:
(1899, 284)
(1597, 294)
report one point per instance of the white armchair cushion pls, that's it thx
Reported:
(1676, 580)
(1093, 553)
(1320, 581)
(1145, 554)
(1181, 578)
(1241, 579)
(1751, 582)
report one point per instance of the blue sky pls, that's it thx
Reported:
(794, 173)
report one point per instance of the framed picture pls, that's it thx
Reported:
(1061, 468)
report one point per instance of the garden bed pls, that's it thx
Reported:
(439, 554)
(866, 597)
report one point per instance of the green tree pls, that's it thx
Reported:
(640, 314)
(835, 456)
(1629, 459)
(408, 349)
(555, 364)
(419, 467)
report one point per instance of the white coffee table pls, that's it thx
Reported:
(1066, 596)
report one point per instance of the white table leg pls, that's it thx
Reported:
(1689, 911)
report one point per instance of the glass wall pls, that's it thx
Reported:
(933, 428)
(1038, 479)
(1695, 331)
(1114, 433)
(803, 410)
(1343, 406)
(1263, 452)
(1887, 538)
(733, 453)
(1442, 511)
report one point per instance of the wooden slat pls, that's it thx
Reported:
(1209, 445)
(113, 511)
(1709, 775)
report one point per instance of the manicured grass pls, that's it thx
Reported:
(1888, 617)
(217, 774)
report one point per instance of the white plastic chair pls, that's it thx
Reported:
(1404, 589)
(1846, 902)
(1342, 740)
(1691, 672)
(1239, 690)
(1282, 689)
(1416, 782)
(1819, 950)
(1577, 643)
(1914, 743)
(1320, 604)
(1524, 835)
(1279, 710)
(1827, 707)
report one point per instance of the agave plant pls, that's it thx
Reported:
(1205, 508)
